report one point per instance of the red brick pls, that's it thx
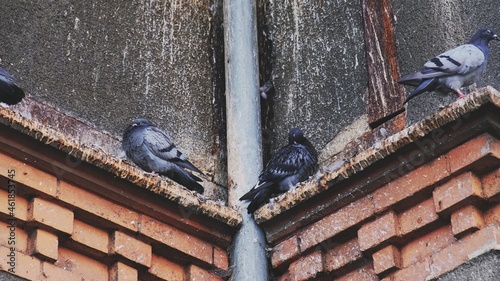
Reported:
(419, 271)
(165, 269)
(467, 248)
(491, 184)
(122, 272)
(492, 216)
(28, 176)
(342, 255)
(457, 192)
(221, 259)
(426, 245)
(81, 265)
(52, 215)
(176, 239)
(347, 217)
(25, 266)
(44, 245)
(364, 273)
(130, 248)
(418, 216)
(376, 232)
(307, 267)
(285, 251)
(17, 237)
(90, 236)
(54, 273)
(198, 274)
(409, 184)
(19, 206)
(465, 220)
(98, 206)
(473, 150)
(386, 259)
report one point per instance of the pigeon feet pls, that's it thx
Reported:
(460, 94)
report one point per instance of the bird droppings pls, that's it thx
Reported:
(451, 113)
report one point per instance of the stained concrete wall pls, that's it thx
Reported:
(107, 62)
(318, 67)
(426, 28)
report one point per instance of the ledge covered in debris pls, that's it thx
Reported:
(101, 150)
(310, 191)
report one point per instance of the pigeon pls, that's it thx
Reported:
(453, 69)
(265, 89)
(10, 93)
(153, 150)
(291, 164)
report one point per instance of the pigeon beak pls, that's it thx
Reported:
(495, 37)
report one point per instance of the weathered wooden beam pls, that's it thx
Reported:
(385, 96)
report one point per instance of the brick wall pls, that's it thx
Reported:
(414, 206)
(402, 219)
(66, 219)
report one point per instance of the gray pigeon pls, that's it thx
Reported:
(453, 69)
(10, 93)
(290, 165)
(153, 150)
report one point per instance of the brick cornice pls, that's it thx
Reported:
(385, 161)
(95, 165)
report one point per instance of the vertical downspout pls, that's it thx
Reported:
(244, 136)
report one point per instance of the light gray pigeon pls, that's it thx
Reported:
(453, 69)
(10, 93)
(153, 150)
(290, 165)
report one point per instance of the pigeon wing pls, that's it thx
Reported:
(162, 146)
(461, 60)
(286, 162)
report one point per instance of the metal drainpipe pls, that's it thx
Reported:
(244, 136)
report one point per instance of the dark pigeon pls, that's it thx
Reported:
(453, 69)
(292, 164)
(10, 93)
(153, 150)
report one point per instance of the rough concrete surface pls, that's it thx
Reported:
(318, 67)
(426, 28)
(484, 267)
(108, 62)
(5, 276)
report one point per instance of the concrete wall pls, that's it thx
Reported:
(426, 28)
(318, 67)
(107, 62)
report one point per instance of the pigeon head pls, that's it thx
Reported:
(483, 36)
(141, 122)
(296, 136)
(138, 123)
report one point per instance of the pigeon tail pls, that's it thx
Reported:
(10, 93)
(250, 195)
(260, 198)
(186, 179)
(186, 164)
(426, 86)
